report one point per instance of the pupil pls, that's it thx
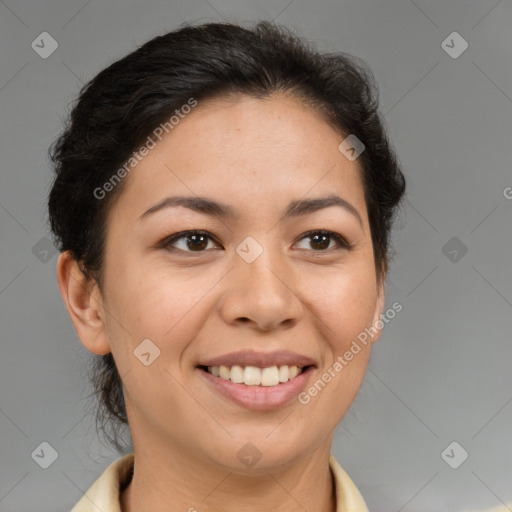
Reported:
(323, 244)
(195, 239)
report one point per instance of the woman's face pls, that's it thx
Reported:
(256, 291)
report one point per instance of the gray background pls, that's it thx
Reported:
(441, 371)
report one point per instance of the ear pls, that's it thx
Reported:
(84, 304)
(379, 310)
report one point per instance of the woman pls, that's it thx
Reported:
(223, 202)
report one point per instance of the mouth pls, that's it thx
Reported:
(256, 376)
(257, 380)
(256, 388)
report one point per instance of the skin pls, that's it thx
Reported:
(256, 155)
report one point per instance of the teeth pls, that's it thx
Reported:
(293, 372)
(254, 376)
(270, 376)
(237, 374)
(224, 372)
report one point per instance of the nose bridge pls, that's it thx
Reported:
(261, 287)
(261, 265)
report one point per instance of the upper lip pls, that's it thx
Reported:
(259, 359)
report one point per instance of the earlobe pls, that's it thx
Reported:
(84, 304)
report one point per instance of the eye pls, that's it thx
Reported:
(321, 238)
(194, 241)
(197, 241)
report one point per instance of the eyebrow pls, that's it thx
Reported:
(208, 206)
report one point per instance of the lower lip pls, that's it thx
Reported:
(259, 398)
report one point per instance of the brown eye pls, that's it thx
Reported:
(194, 241)
(320, 240)
(197, 241)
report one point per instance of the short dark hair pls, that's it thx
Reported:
(117, 110)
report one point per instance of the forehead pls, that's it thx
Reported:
(248, 152)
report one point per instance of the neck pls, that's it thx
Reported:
(172, 482)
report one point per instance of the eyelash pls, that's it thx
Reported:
(342, 243)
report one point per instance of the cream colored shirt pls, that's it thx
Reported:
(103, 495)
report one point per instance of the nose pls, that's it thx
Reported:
(261, 294)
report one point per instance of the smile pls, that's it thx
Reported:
(254, 376)
(261, 388)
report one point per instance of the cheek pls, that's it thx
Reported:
(168, 308)
(345, 307)
(165, 305)
(345, 301)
